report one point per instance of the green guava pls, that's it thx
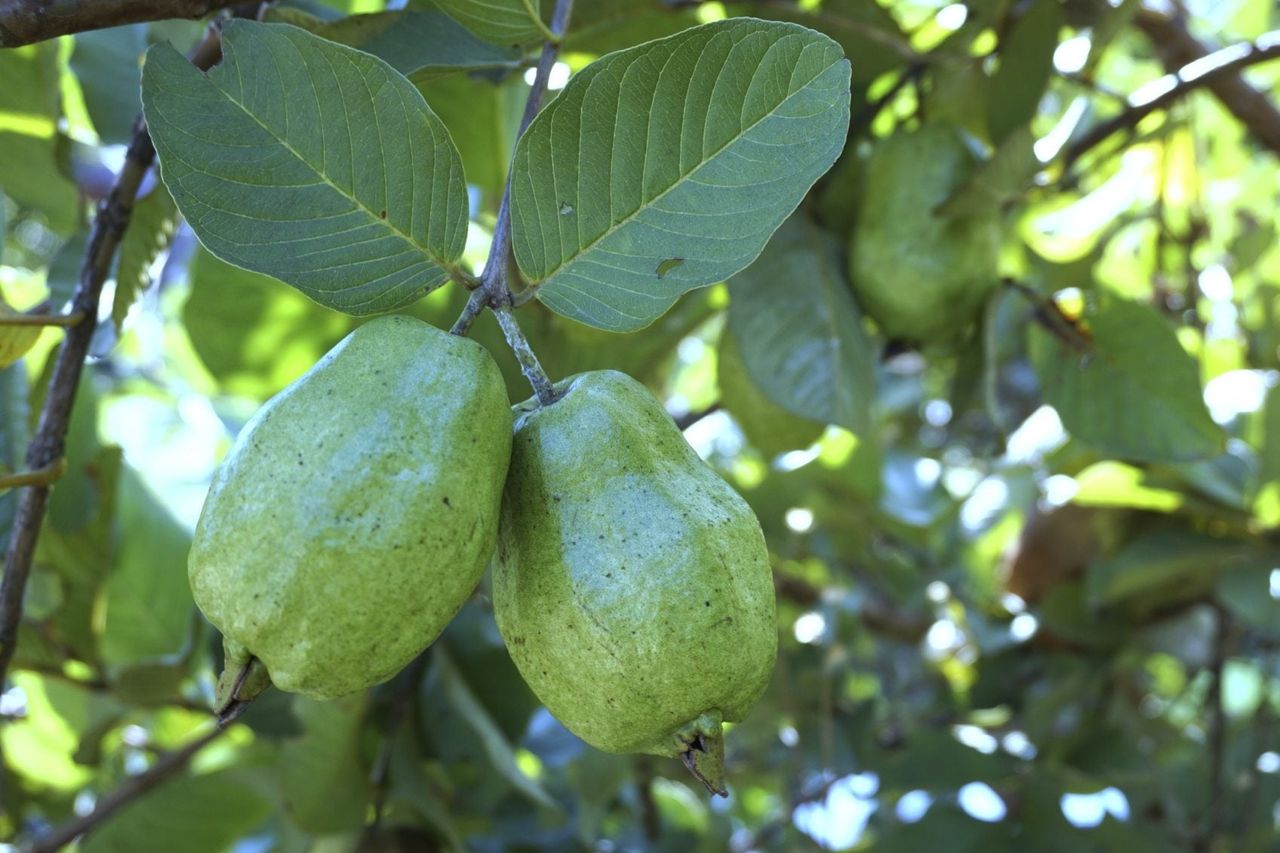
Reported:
(356, 511)
(632, 585)
(920, 274)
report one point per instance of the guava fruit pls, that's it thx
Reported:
(919, 273)
(356, 511)
(632, 585)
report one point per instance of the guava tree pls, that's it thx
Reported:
(492, 424)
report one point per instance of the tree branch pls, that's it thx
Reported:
(688, 419)
(1204, 71)
(28, 21)
(1177, 48)
(494, 290)
(133, 788)
(50, 439)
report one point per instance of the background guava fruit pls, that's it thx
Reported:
(632, 586)
(919, 273)
(357, 510)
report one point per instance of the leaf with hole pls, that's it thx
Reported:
(311, 162)
(694, 147)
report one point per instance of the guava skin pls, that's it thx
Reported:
(357, 510)
(921, 275)
(632, 585)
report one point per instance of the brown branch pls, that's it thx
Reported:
(49, 442)
(28, 21)
(1218, 66)
(1177, 48)
(688, 419)
(166, 766)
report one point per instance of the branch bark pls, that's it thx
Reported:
(1177, 48)
(1209, 69)
(29, 21)
(48, 445)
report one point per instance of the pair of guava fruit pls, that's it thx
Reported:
(358, 509)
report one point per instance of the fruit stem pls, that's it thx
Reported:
(529, 364)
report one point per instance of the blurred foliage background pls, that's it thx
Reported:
(1028, 567)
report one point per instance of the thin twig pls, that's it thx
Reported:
(28, 21)
(132, 789)
(688, 419)
(65, 320)
(55, 416)
(1203, 72)
(45, 476)
(495, 290)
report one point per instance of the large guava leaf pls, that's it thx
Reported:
(311, 162)
(667, 166)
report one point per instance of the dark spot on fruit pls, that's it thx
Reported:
(706, 604)
(445, 500)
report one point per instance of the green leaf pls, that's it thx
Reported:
(867, 32)
(42, 745)
(420, 45)
(311, 162)
(30, 107)
(324, 782)
(693, 148)
(1128, 388)
(800, 331)
(1248, 592)
(769, 428)
(148, 600)
(1026, 61)
(151, 228)
(1169, 563)
(14, 435)
(495, 743)
(63, 275)
(498, 21)
(106, 62)
(207, 812)
(254, 336)
(602, 26)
